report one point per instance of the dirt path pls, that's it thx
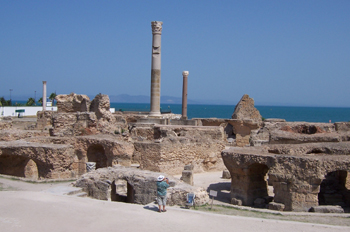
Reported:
(43, 206)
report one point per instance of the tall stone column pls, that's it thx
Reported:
(184, 94)
(155, 72)
(44, 95)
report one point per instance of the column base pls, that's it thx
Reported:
(155, 114)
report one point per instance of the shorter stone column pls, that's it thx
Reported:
(184, 95)
(44, 95)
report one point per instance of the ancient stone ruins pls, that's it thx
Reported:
(274, 164)
(290, 166)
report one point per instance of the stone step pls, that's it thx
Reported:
(82, 194)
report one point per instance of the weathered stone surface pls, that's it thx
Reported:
(276, 206)
(53, 161)
(295, 171)
(176, 146)
(140, 186)
(187, 177)
(189, 167)
(297, 133)
(72, 103)
(235, 201)
(342, 126)
(245, 110)
(74, 124)
(15, 134)
(327, 209)
(5, 123)
(44, 119)
(226, 174)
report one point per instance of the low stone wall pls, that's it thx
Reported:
(135, 186)
(52, 161)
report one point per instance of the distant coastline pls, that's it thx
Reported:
(289, 113)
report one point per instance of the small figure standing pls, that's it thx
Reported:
(162, 185)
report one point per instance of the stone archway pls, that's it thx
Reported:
(96, 153)
(249, 184)
(334, 189)
(18, 166)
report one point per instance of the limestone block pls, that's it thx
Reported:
(72, 103)
(242, 141)
(226, 174)
(189, 167)
(187, 177)
(276, 206)
(342, 126)
(245, 110)
(5, 123)
(31, 170)
(327, 209)
(235, 201)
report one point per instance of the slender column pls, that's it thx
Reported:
(155, 72)
(184, 95)
(44, 95)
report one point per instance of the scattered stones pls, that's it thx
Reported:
(235, 201)
(327, 209)
(276, 206)
(226, 174)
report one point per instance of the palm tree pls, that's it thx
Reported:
(52, 98)
(40, 101)
(30, 102)
(5, 102)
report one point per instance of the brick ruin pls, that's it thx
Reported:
(274, 164)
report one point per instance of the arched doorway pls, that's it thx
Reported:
(122, 191)
(250, 185)
(334, 189)
(18, 166)
(96, 153)
(258, 186)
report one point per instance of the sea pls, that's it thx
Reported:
(289, 113)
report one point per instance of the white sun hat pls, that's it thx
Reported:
(160, 178)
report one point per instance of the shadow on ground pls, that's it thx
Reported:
(223, 191)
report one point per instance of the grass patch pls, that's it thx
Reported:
(309, 218)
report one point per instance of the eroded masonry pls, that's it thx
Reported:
(290, 166)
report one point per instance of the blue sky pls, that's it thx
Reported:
(279, 52)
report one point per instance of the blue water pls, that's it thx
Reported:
(289, 113)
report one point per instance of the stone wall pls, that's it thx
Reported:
(52, 161)
(295, 172)
(173, 147)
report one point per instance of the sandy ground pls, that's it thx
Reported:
(43, 207)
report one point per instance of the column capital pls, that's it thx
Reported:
(44, 82)
(185, 73)
(157, 27)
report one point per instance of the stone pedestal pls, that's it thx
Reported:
(90, 166)
(156, 67)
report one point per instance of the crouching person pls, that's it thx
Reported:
(162, 185)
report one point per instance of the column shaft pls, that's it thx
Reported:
(184, 94)
(156, 68)
(44, 95)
